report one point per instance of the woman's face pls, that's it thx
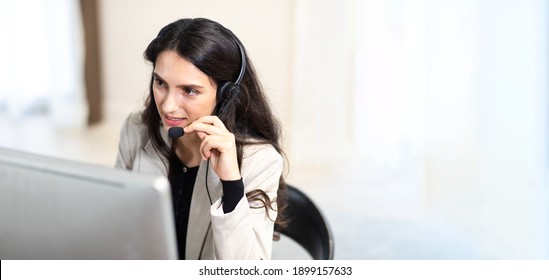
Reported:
(182, 92)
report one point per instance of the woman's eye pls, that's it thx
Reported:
(190, 91)
(159, 82)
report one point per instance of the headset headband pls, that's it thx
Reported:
(243, 63)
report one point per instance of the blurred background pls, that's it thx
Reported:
(420, 127)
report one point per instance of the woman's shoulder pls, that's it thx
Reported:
(135, 119)
(260, 155)
(134, 130)
(258, 149)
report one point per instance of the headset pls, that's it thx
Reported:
(227, 92)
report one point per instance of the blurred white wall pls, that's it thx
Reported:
(446, 102)
(41, 50)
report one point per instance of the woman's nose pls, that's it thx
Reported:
(170, 103)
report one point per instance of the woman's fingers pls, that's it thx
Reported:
(207, 129)
(207, 124)
(223, 144)
(218, 144)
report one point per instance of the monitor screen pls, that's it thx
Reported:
(57, 209)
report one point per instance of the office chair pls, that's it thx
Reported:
(307, 226)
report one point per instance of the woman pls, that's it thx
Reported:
(225, 166)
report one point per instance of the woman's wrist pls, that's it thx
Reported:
(231, 177)
(233, 191)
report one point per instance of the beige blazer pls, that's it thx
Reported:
(245, 233)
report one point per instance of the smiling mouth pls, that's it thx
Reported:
(174, 119)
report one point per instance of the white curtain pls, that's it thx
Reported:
(41, 51)
(445, 99)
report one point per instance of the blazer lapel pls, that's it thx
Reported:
(199, 214)
(149, 162)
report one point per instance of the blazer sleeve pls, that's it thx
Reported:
(247, 231)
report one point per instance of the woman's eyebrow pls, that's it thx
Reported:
(197, 86)
(156, 76)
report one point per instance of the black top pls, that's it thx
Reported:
(182, 179)
(182, 192)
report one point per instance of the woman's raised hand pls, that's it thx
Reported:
(218, 145)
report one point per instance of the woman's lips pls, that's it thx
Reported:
(173, 121)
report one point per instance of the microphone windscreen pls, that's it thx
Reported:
(175, 132)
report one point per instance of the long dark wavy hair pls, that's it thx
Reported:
(213, 49)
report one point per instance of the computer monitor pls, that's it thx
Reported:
(58, 209)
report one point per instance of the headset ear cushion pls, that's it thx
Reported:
(223, 91)
(235, 91)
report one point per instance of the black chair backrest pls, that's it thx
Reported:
(307, 226)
